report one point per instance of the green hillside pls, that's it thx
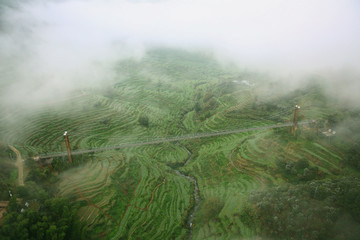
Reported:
(147, 192)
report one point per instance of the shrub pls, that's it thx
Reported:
(144, 121)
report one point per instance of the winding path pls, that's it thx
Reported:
(19, 164)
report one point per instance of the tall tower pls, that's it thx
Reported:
(295, 120)
(67, 144)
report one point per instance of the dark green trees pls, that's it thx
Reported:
(144, 121)
(55, 219)
(312, 210)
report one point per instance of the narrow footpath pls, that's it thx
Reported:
(20, 165)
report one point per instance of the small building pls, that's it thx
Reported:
(329, 133)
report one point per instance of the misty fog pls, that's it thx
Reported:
(50, 48)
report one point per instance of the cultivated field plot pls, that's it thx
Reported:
(148, 192)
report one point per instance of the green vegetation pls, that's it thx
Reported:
(250, 184)
(8, 173)
(211, 208)
(35, 213)
(144, 121)
(309, 211)
(55, 219)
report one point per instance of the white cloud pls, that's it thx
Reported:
(58, 43)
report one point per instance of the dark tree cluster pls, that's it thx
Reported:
(298, 171)
(34, 212)
(61, 164)
(353, 156)
(7, 171)
(313, 210)
(55, 219)
(144, 121)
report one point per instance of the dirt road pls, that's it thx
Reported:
(19, 164)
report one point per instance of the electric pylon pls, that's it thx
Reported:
(67, 144)
(295, 120)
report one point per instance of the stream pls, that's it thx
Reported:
(196, 192)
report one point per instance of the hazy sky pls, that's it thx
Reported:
(51, 45)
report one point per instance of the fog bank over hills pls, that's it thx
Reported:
(50, 48)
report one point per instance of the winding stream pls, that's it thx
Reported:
(196, 192)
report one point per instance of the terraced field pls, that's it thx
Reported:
(146, 192)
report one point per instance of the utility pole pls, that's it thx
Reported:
(67, 144)
(295, 120)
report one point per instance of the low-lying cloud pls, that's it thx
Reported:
(48, 48)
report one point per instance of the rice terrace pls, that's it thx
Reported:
(181, 147)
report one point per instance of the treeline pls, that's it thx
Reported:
(325, 209)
